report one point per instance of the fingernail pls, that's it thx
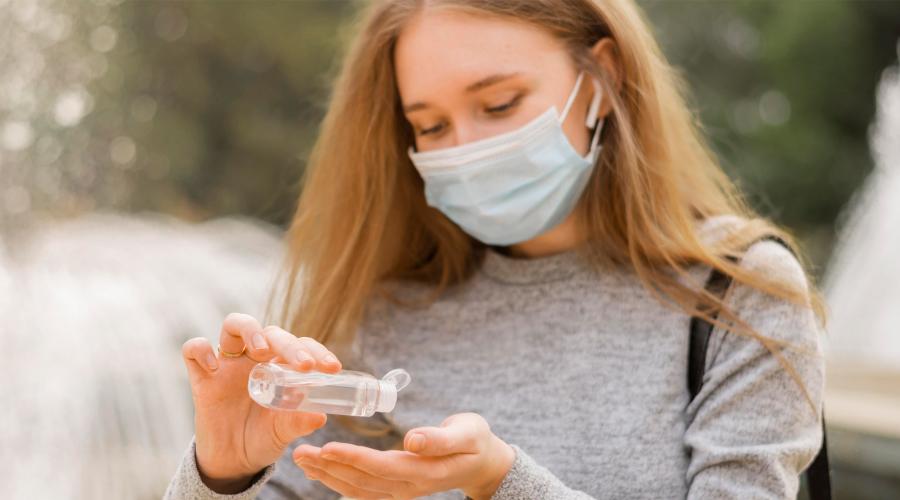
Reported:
(416, 442)
(259, 342)
(329, 358)
(211, 362)
(327, 456)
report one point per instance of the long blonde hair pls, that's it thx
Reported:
(362, 218)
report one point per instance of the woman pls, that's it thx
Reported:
(510, 200)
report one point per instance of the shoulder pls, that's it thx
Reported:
(772, 260)
(767, 258)
(773, 265)
(780, 319)
(785, 334)
(771, 316)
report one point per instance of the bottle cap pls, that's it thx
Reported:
(388, 386)
(388, 397)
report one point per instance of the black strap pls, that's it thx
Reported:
(818, 480)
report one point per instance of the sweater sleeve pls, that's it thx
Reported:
(526, 479)
(186, 484)
(281, 480)
(751, 430)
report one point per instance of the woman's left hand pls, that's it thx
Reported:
(462, 453)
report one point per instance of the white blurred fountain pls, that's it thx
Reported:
(863, 282)
(862, 286)
(96, 402)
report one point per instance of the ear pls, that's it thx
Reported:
(605, 51)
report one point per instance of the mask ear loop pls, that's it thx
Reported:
(572, 96)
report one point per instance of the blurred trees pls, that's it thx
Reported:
(238, 89)
(786, 91)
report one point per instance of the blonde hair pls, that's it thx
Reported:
(362, 219)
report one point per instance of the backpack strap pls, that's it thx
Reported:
(818, 478)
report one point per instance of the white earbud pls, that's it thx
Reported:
(593, 118)
(594, 108)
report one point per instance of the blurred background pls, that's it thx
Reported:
(150, 157)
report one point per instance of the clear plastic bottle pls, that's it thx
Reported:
(280, 387)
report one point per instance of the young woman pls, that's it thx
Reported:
(511, 200)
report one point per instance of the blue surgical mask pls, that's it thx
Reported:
(513, 186)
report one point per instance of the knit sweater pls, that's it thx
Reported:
(584, 374)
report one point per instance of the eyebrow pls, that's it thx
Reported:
(474, 87)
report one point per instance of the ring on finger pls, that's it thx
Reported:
(232, 354)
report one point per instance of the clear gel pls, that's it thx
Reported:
(280, 387)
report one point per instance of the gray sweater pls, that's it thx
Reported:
(584, 375)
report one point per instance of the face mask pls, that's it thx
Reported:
(514, 186)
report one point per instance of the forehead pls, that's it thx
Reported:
(444, 50)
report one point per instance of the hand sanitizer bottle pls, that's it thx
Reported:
(280, 387)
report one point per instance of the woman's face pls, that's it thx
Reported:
(463, 78)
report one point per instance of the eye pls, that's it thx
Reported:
(504, 107)
(492, 110)
(431, 130)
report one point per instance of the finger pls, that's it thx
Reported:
(460, 433)
(288, 426)
(303, 353)
(356, 477)
(199, 358)
(390, 464)
(305, 450)
(342, 487)
(326, 359)
(239, 330)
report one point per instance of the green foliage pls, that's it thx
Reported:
(240, 88)
(786, 91)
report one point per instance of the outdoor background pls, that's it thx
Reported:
(150, 156)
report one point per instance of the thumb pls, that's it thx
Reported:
(460, 433)
(288, 426)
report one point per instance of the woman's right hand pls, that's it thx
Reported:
(235, 437)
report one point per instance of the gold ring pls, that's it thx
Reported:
(232, 354)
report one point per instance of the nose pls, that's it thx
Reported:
(464, 133)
